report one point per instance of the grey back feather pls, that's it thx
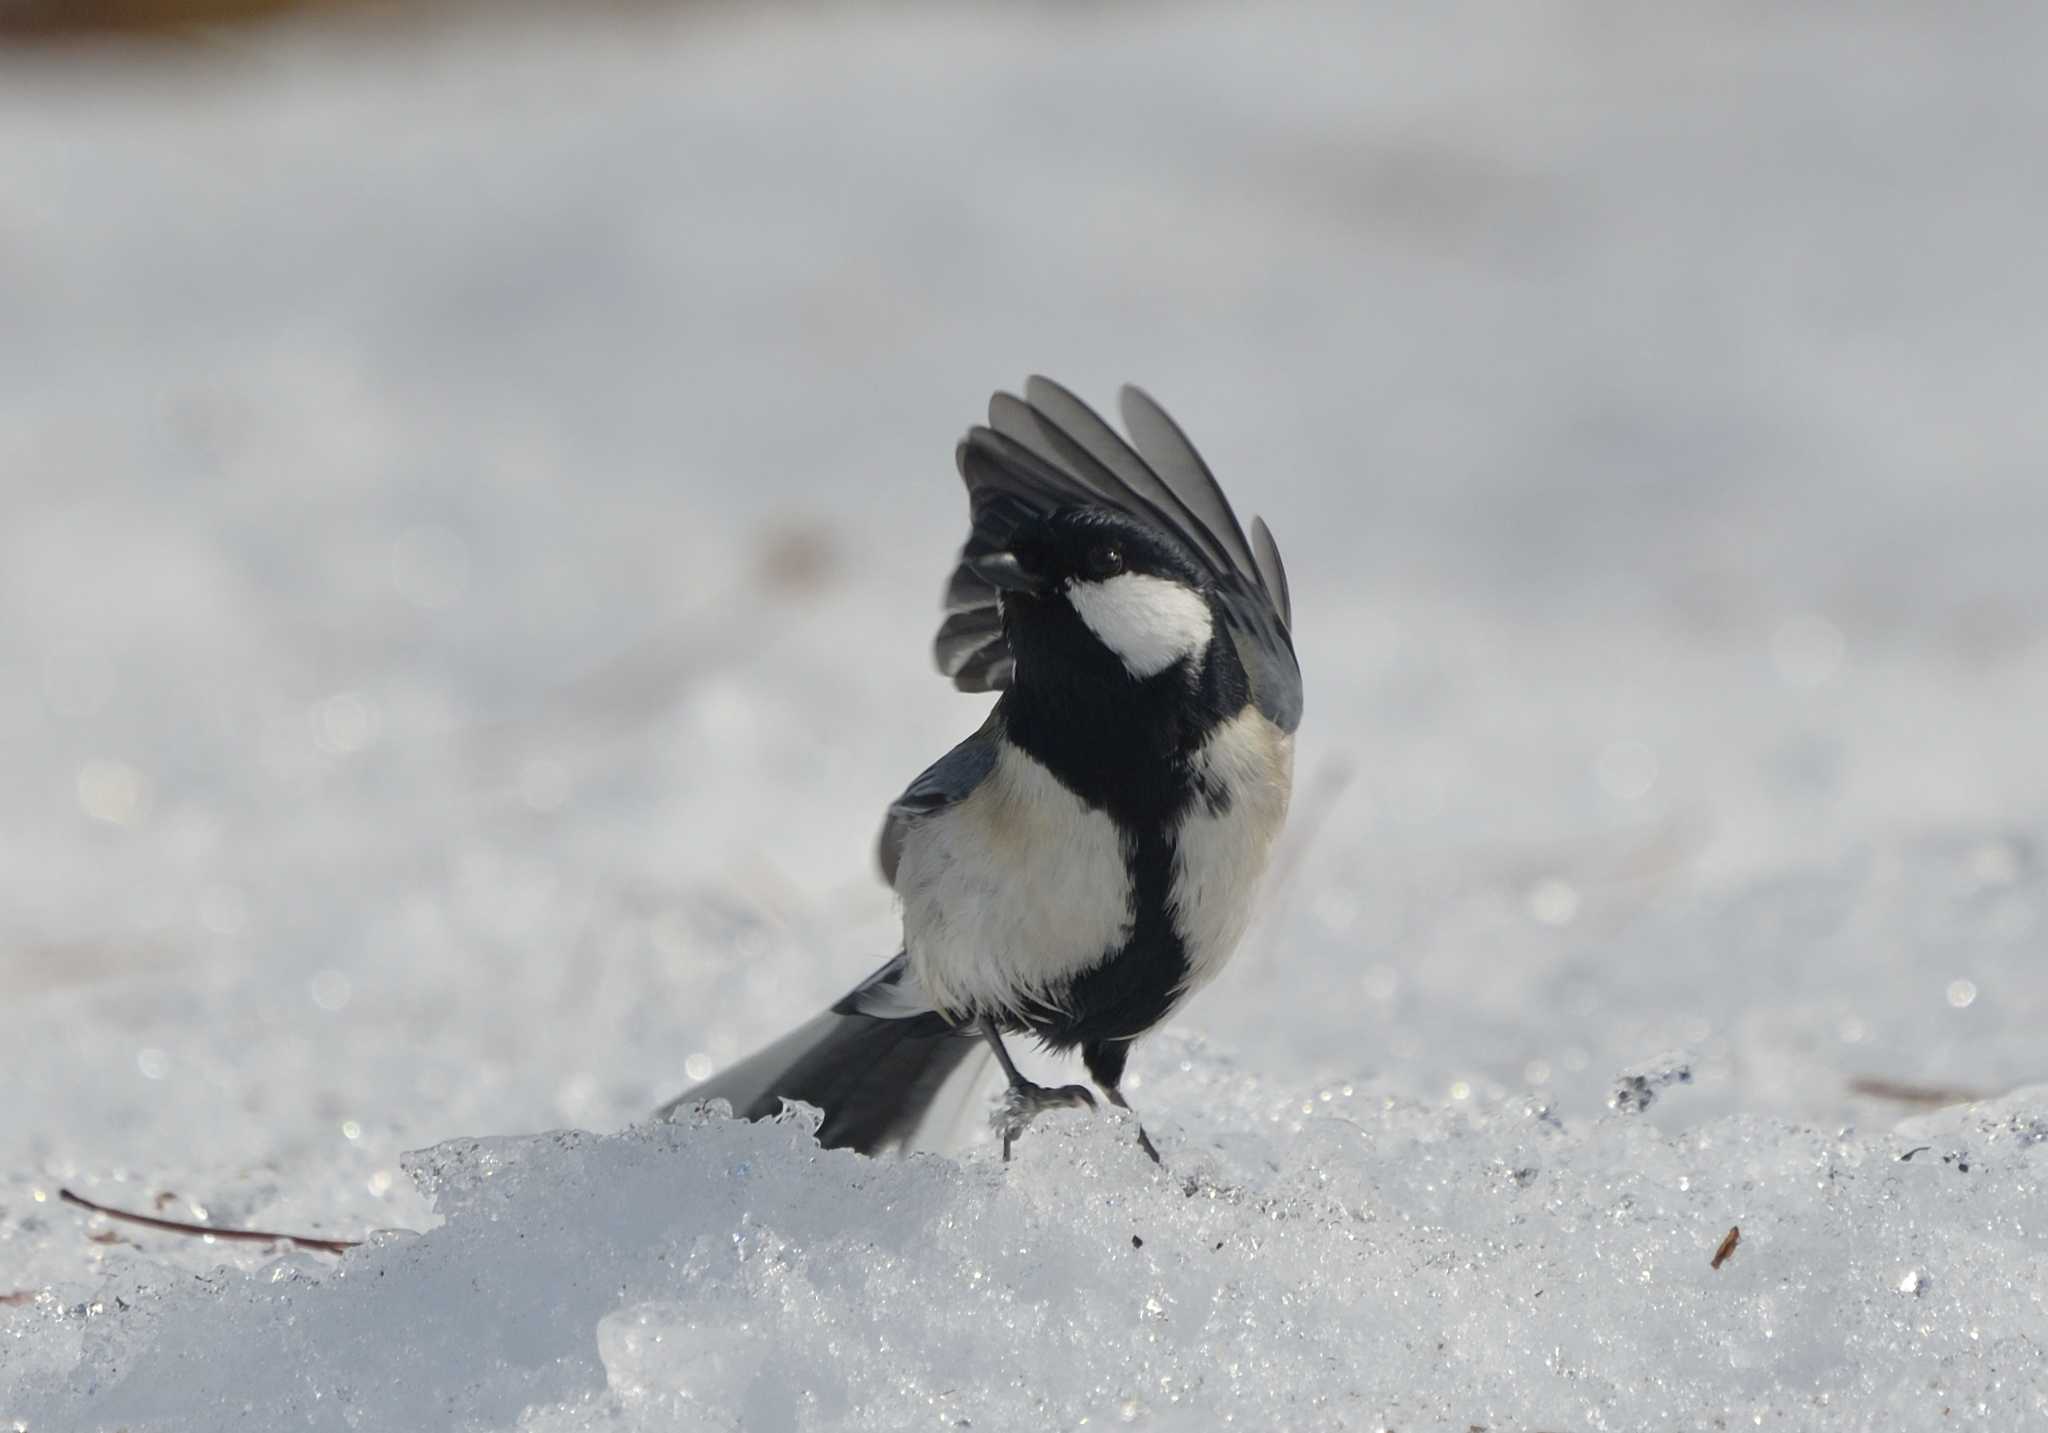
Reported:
(945, 782)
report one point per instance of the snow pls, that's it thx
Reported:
(1363, 1259)
(474, 501)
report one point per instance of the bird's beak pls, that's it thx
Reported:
(1002, 571)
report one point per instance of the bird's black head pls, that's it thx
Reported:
(1085, 582)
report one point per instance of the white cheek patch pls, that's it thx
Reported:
(1149, 622)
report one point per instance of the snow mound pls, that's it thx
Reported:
(1359, 1260)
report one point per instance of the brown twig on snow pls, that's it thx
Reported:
(180, 1226)
(1903, 1092)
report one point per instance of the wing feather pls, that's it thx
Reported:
(1047, 451)
(1272, 571)
(1083, 438)
(1168, 450)
(964, 634)
(944, 782)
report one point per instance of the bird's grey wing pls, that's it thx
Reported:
(1272, 571)
(944, 783)
(1253, 581)
(1006, 490)
(1048, 450)
(1167, 449)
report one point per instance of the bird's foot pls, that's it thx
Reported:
(1145, 1143)
(1116, 1097)
(1023, 1102)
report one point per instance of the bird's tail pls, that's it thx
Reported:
(875, 1063)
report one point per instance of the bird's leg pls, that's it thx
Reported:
(1023, 1102)
(1105, 1060)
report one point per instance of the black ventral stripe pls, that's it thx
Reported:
(1136, 985)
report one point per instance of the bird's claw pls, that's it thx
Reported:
(1023, 1103)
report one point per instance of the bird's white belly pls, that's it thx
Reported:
(1012, 892)
(1221, 856)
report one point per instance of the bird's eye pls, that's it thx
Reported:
(1105, 559)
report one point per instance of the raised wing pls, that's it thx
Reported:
(944, 782)
(1048, 450)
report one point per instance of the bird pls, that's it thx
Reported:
(1088, 858)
